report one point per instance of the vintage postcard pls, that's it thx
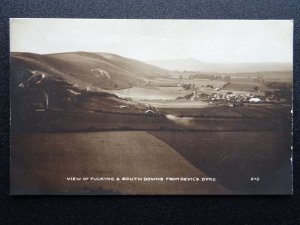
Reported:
(151, 107)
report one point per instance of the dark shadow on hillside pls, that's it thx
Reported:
(234, 157)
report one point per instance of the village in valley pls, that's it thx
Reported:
(219, 92)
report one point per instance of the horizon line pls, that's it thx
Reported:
(169, 59)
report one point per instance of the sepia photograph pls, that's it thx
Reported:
(151, 107)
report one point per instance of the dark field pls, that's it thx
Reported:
(235, 157)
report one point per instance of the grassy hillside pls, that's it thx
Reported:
(92, 70)
(74, 81)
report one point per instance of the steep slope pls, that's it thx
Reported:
(72, 82)
(93, 70)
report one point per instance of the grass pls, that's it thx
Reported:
(235, 157)
(101, 154)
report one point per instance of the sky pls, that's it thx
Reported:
(214, 41)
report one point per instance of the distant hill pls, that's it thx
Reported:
(93, 70)
(191, 64)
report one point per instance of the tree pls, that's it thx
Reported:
(268, 94)
(187, 86)
(256, 89)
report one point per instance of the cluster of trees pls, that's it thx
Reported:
(279, 94)
(284, 94)
(188, 86)
(226, 78)
(256, 89)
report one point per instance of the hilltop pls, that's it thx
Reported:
(192, 64)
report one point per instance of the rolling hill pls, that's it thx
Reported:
(76, 81)
(191, 64)
(93, 70)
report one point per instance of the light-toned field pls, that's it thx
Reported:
(164, 82)
(151, 93)
(175, 104)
